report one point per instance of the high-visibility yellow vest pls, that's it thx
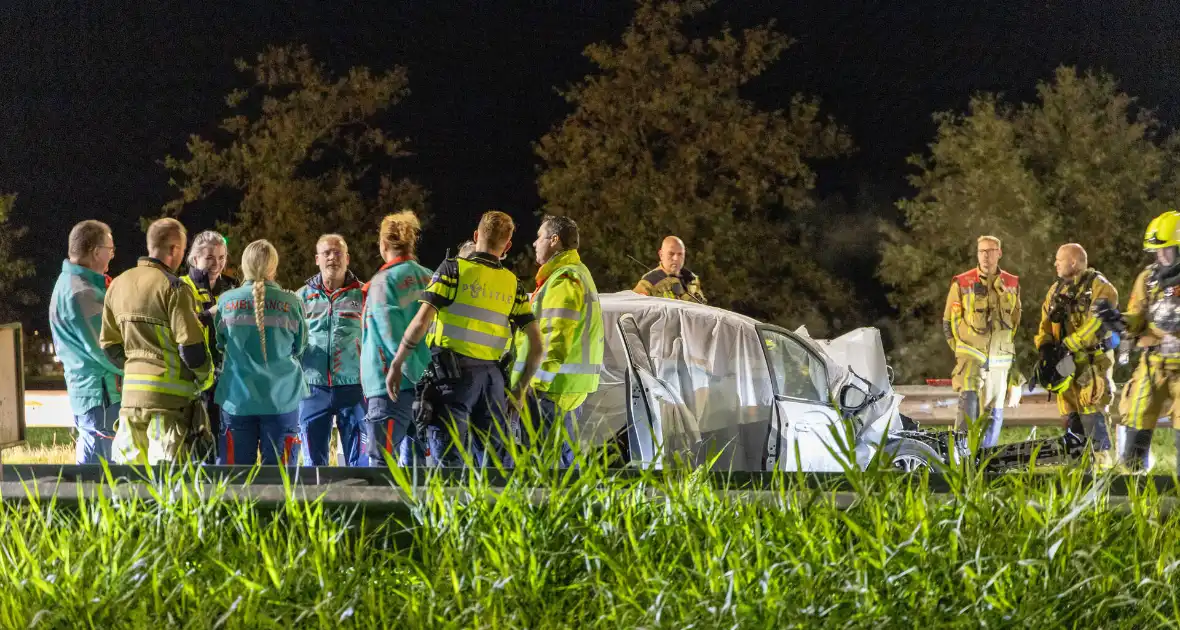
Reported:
(476, 324)
(200, 296)
(574, 339)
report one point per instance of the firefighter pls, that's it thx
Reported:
(1153, 315)
(1069, 326)
(206, 278)
(333, 300)
(569, 316)
(671, 279)
(263, 334)
(150, 328)
(390, 304)
(75, 320)
(476, 302)
(980, 320)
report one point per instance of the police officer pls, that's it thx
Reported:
(333, 300)
(150, 328)
(570, 320)
(1153, 315)
(75, 320)
(1069, 327)
(476, 302)
(207, 258)
(671, 279)
(390, 304)
(980, 320)
(262, 333)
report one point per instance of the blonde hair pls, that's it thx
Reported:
(260, 262)
(495, 229)
(208, 238)
(162, 233)
(988, 237)
(400, 231)
(332, 237)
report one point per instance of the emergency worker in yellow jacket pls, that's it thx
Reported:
(1069, 326)
(150, 329)
(569, 315)
(980, 320)
(477, 303)
(1153, 316)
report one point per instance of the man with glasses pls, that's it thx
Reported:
(75, 319)
(980, 320)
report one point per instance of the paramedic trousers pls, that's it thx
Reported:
(390, 429)
(96, 432)
(243, 436)
(347, 404)
(474, 411)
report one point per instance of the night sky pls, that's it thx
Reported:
(94, 94)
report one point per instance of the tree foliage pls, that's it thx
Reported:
(299, 151)
(12, 268)
(661, 143)
(1081, 164)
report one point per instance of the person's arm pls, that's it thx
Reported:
(1045, 333)
(1087, 335)
(1136, 313)
(87, 310)
(522, 318)
(951, 315)
(110, 337)
(561, 312)
(190, 336)
(417, 329)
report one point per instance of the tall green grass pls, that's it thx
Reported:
(552, 549)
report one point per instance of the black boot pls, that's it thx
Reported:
(1073, 424)
(1135, 449)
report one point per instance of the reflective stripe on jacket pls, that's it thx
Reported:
(478, 301)
(570, 318)
(391, 302)
(75, 322)
(251, 385)
(150, 314)
(333, 355)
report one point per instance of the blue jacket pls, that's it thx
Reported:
(333, 354)
(390, 305)
(250, 386)
(75, 320)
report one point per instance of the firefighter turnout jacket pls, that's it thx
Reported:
(685, 285)
(1081, 331)
(981, 317)
(150, 326)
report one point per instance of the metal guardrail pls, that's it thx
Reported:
(936, 405)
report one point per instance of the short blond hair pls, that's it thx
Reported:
(989, 237)
(164, 232)
(332, 237)
(495, 229)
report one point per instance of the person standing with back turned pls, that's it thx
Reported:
(150, 328)
(262, 333)
(476, 302)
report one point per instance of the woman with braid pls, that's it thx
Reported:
(262, 333)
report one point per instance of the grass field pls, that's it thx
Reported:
(1026, 550)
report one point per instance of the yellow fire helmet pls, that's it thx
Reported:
(1163, 232)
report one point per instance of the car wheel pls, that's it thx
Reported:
(910, 455)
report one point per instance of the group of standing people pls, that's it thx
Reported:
(1080, 331)
(163, 367)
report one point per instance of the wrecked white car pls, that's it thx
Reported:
(704, 384)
